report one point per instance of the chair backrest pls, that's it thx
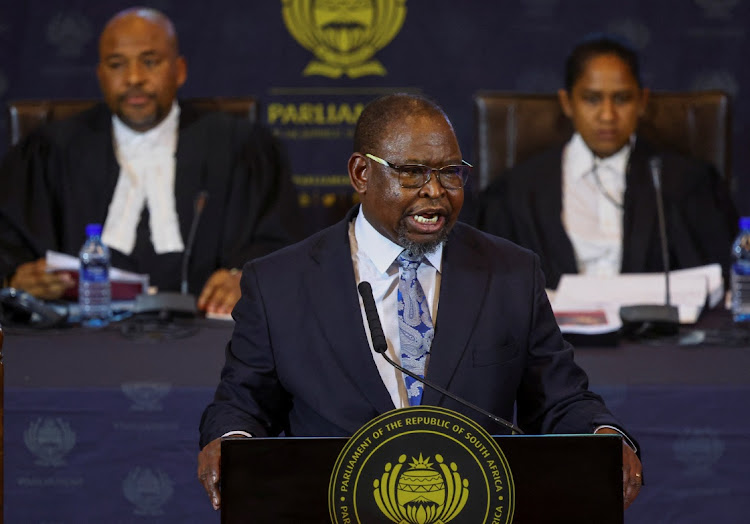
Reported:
(26, 115)
(511, 127)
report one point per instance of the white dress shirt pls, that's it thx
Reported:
(593, 193)
(147, 172)
(374, 258)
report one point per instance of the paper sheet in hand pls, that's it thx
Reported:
(689, 290)
(125, 284)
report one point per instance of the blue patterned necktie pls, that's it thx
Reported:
(414, 324)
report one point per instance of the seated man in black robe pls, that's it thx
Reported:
(136, 163)
(589, 206)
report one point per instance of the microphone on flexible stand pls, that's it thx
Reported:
(655, 319)
(380, 345)
(200, 203)
(167, 303)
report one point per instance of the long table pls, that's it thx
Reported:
(102, 427)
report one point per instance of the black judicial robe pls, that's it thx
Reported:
(524, 205)
(63, 176)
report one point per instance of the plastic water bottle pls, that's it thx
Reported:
(94, 292)
(741, 273)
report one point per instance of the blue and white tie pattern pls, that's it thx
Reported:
(414, 325)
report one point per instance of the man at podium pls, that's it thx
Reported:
(464, 309)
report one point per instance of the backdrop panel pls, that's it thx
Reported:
(313, 64)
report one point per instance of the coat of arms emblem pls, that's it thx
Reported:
(344, 35)
(49, 439)
(421, 465)
(148, 489)
(422, 494)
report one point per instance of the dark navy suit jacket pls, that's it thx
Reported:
(299, 360)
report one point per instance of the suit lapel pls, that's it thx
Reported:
(639, 214)
(463, 285)
(337, 310)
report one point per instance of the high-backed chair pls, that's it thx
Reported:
(511, 127)
(26, 115)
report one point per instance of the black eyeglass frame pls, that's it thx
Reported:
(463, 173)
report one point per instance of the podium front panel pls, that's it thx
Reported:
(559, 478)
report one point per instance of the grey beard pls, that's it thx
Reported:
(420, 249)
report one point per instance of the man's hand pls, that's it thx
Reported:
(209, 465)
(632, 471)
(33, 278)
(221, 292)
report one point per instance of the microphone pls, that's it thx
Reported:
(654, 319)
(200, 203)
(380, 345)
(167, 303)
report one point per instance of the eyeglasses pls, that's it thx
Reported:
(414, 176)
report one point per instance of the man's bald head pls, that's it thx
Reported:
(140, 68)
(140, 15)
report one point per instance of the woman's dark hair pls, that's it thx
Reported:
(597, 45)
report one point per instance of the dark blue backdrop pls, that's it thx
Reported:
(444, 48)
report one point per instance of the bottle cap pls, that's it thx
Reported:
(744, 223)
(93, 230)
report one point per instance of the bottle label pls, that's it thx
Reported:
(741, 268)
(94, 273)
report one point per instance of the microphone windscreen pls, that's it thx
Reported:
(379, 343)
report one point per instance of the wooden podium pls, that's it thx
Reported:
(559, 478)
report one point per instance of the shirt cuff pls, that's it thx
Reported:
(237, 433)
(627, 440)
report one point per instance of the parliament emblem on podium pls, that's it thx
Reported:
(344, 35)
(420, 492)
(421, 465)
(49, 439)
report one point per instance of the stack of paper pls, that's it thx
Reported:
(588, 321)
(601, 297)
(126, 285)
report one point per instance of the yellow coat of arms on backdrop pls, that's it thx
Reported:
(344, 34)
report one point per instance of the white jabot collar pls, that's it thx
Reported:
(592, 211)
(147, 173)
(579, 160)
